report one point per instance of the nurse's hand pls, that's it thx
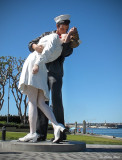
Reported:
(35, 69)
(38, 48)
(72, 30)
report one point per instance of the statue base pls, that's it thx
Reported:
(43, 146)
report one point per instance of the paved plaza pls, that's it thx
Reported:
(92, 152)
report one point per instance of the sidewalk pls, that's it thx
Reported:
(92, 152)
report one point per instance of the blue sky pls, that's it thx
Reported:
(92, 83)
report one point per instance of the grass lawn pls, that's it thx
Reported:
(84, 138)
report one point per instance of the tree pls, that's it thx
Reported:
(3, 78)
(16, 68)
(13, 71)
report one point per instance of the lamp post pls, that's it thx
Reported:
(8, 99)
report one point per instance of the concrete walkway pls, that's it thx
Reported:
(92, 152)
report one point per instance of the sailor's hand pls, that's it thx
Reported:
(39, 48)
(35, 69)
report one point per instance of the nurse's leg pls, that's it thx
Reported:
(45, 108)
(49, 114)
(32, 97)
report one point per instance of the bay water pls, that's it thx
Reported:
(104, 131)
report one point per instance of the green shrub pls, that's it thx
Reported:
(12, 118)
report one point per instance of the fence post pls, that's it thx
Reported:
(3, 133)
(75, 127)
(84, 127)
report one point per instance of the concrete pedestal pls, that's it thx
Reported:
(46, 146)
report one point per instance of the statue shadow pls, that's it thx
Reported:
(11, 152)
(103, 150)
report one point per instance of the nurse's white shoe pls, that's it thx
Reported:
(29, 137)
(57, 129)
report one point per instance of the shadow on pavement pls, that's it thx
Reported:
(10, 152)
(103, 150)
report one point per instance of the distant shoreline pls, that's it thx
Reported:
(102, 136)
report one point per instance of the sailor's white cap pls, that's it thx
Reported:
(62, 18)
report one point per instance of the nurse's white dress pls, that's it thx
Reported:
(52, 50)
